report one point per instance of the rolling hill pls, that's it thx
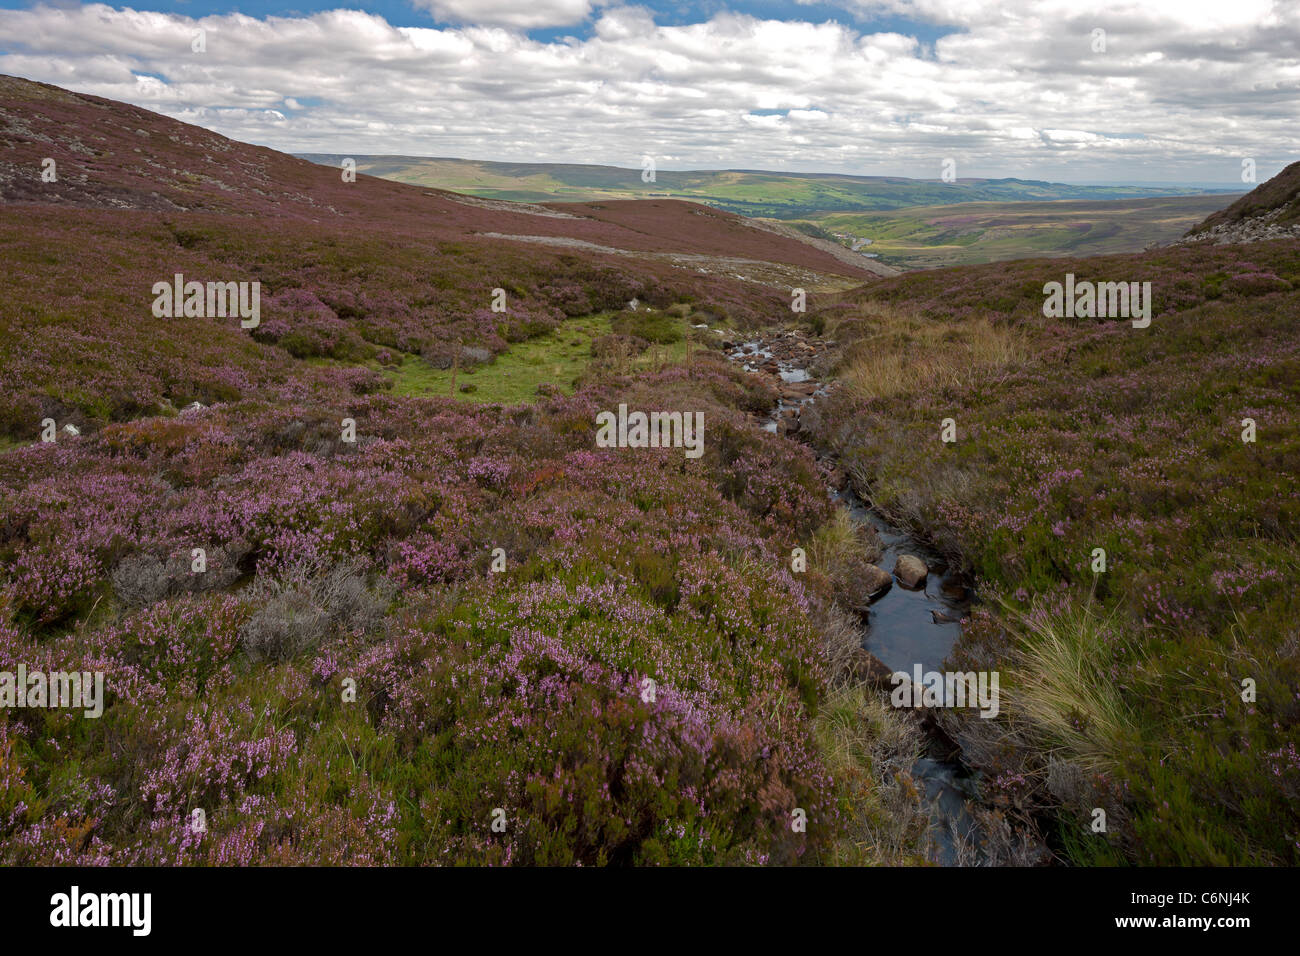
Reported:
(928, 237)
(751, 193)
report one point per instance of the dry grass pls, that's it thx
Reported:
(840, 550)
(870, 749)
(905, 351)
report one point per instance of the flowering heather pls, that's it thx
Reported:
(523, 690)
(304, 637)
(1101, 436)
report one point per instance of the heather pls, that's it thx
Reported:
(370, 648)
(523, 690)
(1124, 684)
(89, 352)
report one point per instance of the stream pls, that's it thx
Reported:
(903, 627)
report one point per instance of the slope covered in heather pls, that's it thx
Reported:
(111, 155)
(1126, 500)
(351, 620)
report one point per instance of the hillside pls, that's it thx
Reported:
(1269, 211)
(1126, 499)
(347, 269)
(356, 578)
(752, 193)
(114, 156)
(929, 237)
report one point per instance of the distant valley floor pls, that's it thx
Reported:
(932, 237)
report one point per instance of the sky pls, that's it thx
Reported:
(1061, 90)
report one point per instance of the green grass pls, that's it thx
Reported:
(557, 358)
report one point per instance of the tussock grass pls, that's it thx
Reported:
(869, 750)
(841, 542)
(1061, 695)
(905, 351)
(842, 551)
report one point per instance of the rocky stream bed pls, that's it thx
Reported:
(916, 607)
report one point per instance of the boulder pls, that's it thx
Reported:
(911, 571)
(873, 583)
(870, 670)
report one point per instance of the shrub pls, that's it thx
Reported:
(307, 606)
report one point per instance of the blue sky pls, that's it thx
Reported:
(1069, 90)
(403, 13)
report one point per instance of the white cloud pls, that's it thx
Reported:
(509, 13)
(1185, 88)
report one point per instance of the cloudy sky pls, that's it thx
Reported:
(1070, 90)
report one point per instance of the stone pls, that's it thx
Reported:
(870, 670)
(911, 571)
(875, 581)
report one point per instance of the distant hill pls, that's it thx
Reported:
(349, 272)
(113, 156)
(753, 193)
(929, 237)
(1269, 211)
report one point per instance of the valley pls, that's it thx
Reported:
(439, 620)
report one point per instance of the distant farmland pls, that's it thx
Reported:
(930, 237)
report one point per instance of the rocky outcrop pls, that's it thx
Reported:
(1254, 229)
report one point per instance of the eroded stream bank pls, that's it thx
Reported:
(913, 621)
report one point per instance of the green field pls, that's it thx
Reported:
(931, 237)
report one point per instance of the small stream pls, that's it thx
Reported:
(903, 628)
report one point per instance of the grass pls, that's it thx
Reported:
(903, 351)
(558, 358)
(870, 750)
(1070, 706)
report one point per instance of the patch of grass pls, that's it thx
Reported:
(658, 328)
(903, 352)
(556, 358)
(1071, 708)
(560, 358)
(869, 751)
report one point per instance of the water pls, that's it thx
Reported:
(906, 628)
(903, 628)
(910, 627)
